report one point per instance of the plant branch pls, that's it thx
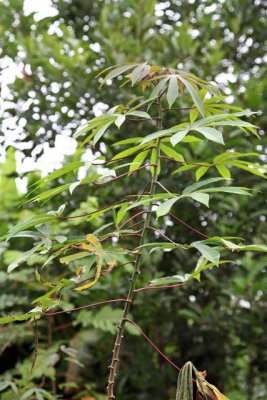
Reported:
(88, 306)
(119, 339)
(161, 287)
(189, 226)
(153, 345)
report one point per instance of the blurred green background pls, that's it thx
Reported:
(48, 69)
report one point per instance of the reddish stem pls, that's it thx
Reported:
(129, 219)
(153, 345)
(189, 226)
(161, 287)
(88, 306)
(161, 234)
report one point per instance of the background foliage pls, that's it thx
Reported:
(219, 323)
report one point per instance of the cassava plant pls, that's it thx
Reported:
(136, 225)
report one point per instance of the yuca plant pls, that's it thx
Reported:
(142, 216)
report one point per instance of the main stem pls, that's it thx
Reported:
(137, 265)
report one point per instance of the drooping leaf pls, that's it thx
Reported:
(223, 171)
(201, 172)
(207, 252)
(172, 92)
(24, 257)
(202, 198)
(159, 88)
(94, 247)
(100, 131)
(178, 137)
(195, 96)
(211, 134)
(138, 160)
(120, 120)
(165, 207)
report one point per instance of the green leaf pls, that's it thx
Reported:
(251, 168)
(128, 152)
(26, 255)
(121, 213)
(203, 265)
(207, 252)
(238, 123)
(141, 114)
(22, 317)
(193, 115)
(231, 155)
(202, 198)
(211, 134)
(117, 70)
(178, 137)
(169, 280)
(171, 153)
(120, 120)
(191, 139)
(172, 92)
(127, 141)
(229, 189)
(165, 207)
(158, 134)
(70, 167)
(160, 86)
(223, 170)
(195, 96)
(201, 172)
(100, 131)
(138, 73)
(198, 185)
(22, 226)
(138, 160)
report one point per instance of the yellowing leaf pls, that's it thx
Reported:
(97, 275)
(96, 248)
(93, 240)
